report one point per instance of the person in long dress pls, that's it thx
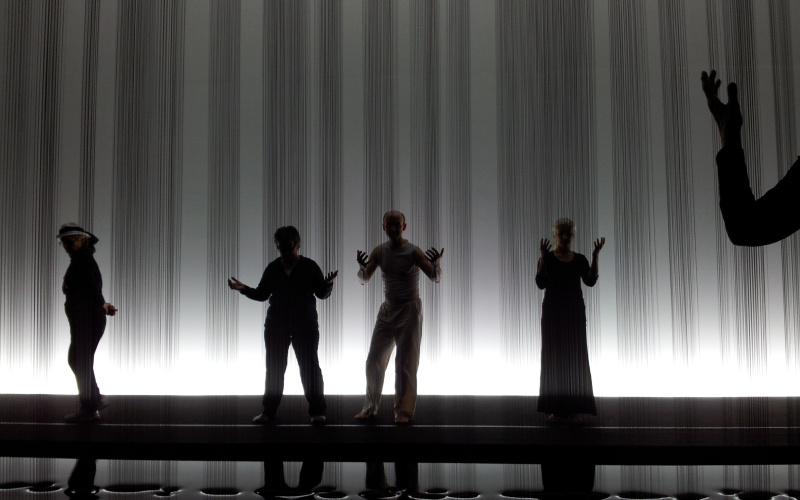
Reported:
(565, 385)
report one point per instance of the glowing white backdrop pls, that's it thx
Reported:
(184, 133)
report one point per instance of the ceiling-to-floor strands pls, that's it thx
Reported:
(183, 134)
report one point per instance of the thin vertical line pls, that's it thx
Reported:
(679, 163)
(380, 121)
(425, 160)
(222, 318)
(330, 164)
(91, 29)
(147, 182)
(633, 209)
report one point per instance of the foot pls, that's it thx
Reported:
(102, 403)
(83, 416)
(402, 419)
(574, 419)
(318, 419)
(364, 415)
(263, 419)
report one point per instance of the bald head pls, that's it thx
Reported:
(394, 213)
(394, 223)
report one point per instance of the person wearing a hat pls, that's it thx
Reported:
(86, 312)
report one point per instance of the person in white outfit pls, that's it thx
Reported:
(400, 316)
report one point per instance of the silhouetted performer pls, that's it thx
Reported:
(290, 282)
(400, 316)
(86, 312)
(565, 386)
(748, 221)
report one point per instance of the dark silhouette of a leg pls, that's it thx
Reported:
(306, 344)
(310, 474)
(376, 476)
(81, 482)
(86, 330)
(277, 343)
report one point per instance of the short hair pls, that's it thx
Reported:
(287, 234)
(398, 211)
(564, 222)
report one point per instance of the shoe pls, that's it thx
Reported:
(262, 419)
(82, 417)
(318, 419)
(102, 403)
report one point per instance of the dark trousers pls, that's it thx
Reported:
(86, 329)
(305, 342)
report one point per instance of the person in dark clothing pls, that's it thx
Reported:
(565, 386)
(86, 312)
(290, 282)
(748, 221)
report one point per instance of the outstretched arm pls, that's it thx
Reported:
(260, 293)
(428, 262)
(367, 266)
(748, 221)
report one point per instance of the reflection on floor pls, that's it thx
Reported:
(447, 429)
(89, 478)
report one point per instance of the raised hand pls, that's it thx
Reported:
(544, 247)
(235, 284)
(433, 255)
(331, 276)
(728, 116)
(598, 245)
(362, 258)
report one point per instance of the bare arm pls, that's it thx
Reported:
(367, 266)
(428, 262)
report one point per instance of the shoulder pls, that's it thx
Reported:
(416, 252)
(581, 259)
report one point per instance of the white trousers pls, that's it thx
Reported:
(400, 325)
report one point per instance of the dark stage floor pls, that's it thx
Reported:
(446, 429)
